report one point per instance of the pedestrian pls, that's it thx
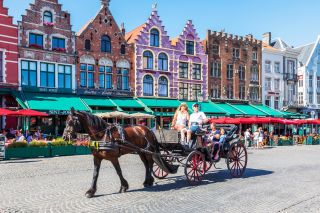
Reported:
(247, 136)
(261, 136)
(256, 138)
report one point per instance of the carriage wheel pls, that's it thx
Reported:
(237, 159)
(195, 167)
(157, 171)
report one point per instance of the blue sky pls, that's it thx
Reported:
(296, 21)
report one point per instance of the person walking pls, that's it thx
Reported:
(247, 136)
(256, 138)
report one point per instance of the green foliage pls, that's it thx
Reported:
(18, 145)
(60, 143)
(38, 144)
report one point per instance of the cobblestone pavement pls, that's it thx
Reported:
(283, 179)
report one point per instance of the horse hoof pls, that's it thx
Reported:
(90, 194)
(123, 189)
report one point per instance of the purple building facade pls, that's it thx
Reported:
(164, 68)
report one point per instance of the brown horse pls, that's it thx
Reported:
(133, 139)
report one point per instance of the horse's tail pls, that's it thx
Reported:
(162, 163)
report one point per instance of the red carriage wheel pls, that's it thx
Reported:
(237, 159)
(157, 171)
(195, 167)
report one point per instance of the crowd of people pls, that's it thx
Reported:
(19, 136)
(257, 139)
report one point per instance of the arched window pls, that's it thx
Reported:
(105, 44)
(163, 87)
(87, 45)
(154, 38)
(47, 17)
(163, 62)
(147, 86)
(123, 49)
(148, 60)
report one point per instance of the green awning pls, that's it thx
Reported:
(126, 103)
(160, 103)
(207, 108)
(99, 102)
(269, 111)
(293, 115)
(228, 109)
(249, 110)
(19, 99)
(54, 103)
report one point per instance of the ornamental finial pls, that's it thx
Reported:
(155, 7)
(105, 3)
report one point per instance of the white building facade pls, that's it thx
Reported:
(309, 79)
(280, 79)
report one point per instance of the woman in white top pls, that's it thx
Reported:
(180, 120)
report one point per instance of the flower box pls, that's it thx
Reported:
(285, 142)
(27, 152)
(83, 150)
(49, 24)
(36, 46)
(59, 49)
(63, 150)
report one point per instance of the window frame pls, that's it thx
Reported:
(242, 73)
(59, 42)
(150, 84)
(190, 47)
(36, 44)
(183, 91)
(154, 37)
(106, 73)
(47, 14)
(236, 53)
(161, 85)
(148, 60)
(196, 71)
(230, 68)
(122, 78)
(163, 62)
(216, 70)
(29, 72)
(64, 74)
(47, 74)
(196, 90)
(105, 44)
(87, 72)
(183, 70)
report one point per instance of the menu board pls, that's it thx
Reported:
(2, 147)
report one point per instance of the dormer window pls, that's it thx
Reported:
(47, 17)
(154, 38)
(105, 44)
(87, 45)
(190, 47)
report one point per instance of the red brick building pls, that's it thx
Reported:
(46, 47)
(8, 64)
(104, 65)
(47, 62)
(234, 66)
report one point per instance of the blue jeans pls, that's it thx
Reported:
(194, 128)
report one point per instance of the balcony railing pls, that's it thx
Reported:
(290, 77)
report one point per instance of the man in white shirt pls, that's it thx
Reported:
(247, 136)
(195, 122)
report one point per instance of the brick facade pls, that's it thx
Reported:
(57, 47)
(94, 50)
(8, 65)
(234, 66)
(151, 38)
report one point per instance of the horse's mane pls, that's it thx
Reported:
(92, 120)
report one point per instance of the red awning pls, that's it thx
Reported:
(30, 113)
(5, 112)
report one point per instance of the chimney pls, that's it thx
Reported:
(266, 38)
(123, 30)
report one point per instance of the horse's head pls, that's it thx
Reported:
(73, 126)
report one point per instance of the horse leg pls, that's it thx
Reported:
(124, 184)
(146, 162)
(150, 165)
(97, 163)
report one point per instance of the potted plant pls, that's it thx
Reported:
(59, 147)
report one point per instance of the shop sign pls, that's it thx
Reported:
(59, 112)
(47, 90)
(109, 93)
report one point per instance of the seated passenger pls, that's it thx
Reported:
(180, 119)
(218, 138)
(197, 119)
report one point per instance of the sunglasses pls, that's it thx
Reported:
(196, 106)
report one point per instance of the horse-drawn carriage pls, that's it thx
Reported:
(199, 160)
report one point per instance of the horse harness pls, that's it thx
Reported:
(116, 144)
